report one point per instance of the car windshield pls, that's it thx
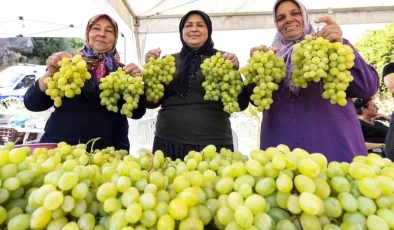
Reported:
(8, 79)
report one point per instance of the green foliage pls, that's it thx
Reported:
(377, 49)
(45, 47)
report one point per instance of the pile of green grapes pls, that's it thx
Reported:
(68, 81)
(118, 85)
(222, 82)
(265, 70)
(157, 73)
(70, 187)
(319, 59)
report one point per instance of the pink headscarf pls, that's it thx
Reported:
(101, 64)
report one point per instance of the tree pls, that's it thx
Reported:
(377, 49)
(45, 47)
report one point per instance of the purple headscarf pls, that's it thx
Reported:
(284, 48)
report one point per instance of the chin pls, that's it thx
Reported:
(293, 36)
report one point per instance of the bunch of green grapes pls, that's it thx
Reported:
(265, 70)
(318, 59)
(157, 73)
(221, 82)
(276, 188)
(133, 89)
(69, 80)
(120, 84)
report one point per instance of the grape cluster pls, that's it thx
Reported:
(69, 187)
(319, 59)
(221, 82)
(120, 84)
(157, 73)
(68, 81)
(265, 70)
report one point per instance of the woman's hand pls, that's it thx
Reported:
(132, 69)
(381, 117)
(260, 48)
(52, 67)
(331, 31)
(232, 58)
(155, 53)
(52, 61)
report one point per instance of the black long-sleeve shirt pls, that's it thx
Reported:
(83, 118)
(193, 120)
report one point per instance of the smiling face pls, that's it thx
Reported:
(289, 20)
(195, 31)
(102, 36)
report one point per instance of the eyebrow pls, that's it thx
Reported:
(194, 21)
(289, 11)
(98, 24)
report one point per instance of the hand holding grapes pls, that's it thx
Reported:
(155, 53)
(260, 48)
(132, 69)
(331, 31)
(232, 58)
(53, 67)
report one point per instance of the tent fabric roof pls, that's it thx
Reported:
(143, 8)
(139, 18)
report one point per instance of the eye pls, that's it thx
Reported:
(279, 19)
(295, 13)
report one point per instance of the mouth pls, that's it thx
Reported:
(101, 42)
(290, 27)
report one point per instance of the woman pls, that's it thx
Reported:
(388, 78)
(302, 117)
(374, 132)
(186, 121)
(82, 118)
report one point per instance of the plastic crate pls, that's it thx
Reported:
(38, 145)
(10, 135)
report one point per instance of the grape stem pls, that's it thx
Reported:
(94, 141)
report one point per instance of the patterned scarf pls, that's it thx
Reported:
(284, 48)
(191, 59)
(101, 64)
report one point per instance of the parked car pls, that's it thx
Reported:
(15, 80)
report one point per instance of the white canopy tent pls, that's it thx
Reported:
(238, 24)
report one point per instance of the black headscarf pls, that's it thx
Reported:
(191, 59)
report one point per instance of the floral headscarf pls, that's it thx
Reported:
(284, 48)
(101, 64)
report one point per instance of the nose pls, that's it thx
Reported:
(102, 33)
(288, 18)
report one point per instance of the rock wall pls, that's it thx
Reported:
(15, 50)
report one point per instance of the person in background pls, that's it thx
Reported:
(186, 121)
(83, 118)
(388, 78)
(302, 118)
(374, 132)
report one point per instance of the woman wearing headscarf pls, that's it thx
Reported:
(186, 121)
(83, 118)
(302, 117)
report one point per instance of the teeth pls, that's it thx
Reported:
(289, 27)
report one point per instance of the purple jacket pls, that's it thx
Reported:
(310, 122)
